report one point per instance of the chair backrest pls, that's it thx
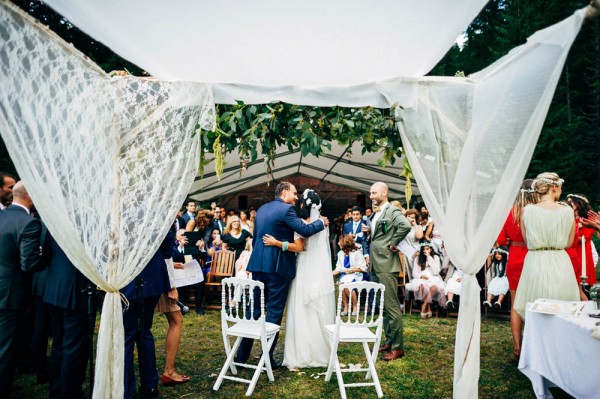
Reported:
(242, 299)
(222, 264)
(366, 304)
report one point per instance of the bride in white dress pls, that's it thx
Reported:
(311, 300)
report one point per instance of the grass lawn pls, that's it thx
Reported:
(425, 372)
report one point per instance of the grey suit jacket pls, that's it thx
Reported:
(19, 256)
(390, 229)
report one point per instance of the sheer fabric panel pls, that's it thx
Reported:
(469, 142)
(107, 161)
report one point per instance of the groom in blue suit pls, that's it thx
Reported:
(270, 264)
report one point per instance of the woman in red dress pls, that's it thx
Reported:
(511, 236)
(580, 205)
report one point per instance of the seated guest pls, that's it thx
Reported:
(499, 284)
(427, 284)
(453, 287)
(152, 282)
(246, 223)
(410, 246)
(214, 243)
(358, 228)
(350, 266)
(242, 262)
(234, 237)
(67, 294)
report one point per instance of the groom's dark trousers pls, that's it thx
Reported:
(276, 291)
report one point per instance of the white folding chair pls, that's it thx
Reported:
(358, 328)
(237, 320)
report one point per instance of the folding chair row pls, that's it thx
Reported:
(243, 316)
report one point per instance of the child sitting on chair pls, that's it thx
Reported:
(499, 284)
(350, 266)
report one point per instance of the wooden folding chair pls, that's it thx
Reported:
(358, 328)
(221, 266)
(237, 320)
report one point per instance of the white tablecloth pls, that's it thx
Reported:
(558, 350)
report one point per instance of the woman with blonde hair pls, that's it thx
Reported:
(512, 237)
(548, 228)
(234, 237)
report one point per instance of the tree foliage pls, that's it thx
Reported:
(568, 144)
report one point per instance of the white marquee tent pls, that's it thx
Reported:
(342, 165)
(81, 127)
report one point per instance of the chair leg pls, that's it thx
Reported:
(267, 348)
(340, 378)
(228, 350)
(372, 373)
(332, 360)
(228, 363)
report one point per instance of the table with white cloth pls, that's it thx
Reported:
(558, 350)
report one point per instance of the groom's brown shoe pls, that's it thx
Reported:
(393, 355)
(385, 348)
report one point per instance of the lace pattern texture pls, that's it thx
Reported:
(107, 161)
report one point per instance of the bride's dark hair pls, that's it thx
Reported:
(302, 209)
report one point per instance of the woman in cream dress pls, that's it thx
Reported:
(548, 228)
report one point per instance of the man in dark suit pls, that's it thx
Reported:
(143, 294)
(359, 229)
(189, 214)
(19, 258)
(67, 293)
(216, 223)
(272, 265)
(7, 182)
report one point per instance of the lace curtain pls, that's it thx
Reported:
(107, 161)
(469, 142)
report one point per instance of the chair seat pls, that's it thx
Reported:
(362, 334)
(251, 330)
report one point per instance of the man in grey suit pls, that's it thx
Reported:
(388, 228)
(19, 257)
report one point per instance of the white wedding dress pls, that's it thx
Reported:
(311, 305)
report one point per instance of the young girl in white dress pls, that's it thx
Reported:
(427, 284)
(453, 284)
(350, 266)
(499, 284)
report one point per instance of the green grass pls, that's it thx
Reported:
(425, 372)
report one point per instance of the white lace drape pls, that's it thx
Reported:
(107, 161)
(469, 142)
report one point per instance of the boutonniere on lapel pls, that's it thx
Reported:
(384, 225)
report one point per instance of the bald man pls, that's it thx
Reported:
(388, 228)
(19, 258)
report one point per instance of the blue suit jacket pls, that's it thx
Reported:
(279, 220)
(19, 256)
(155, 274)
(65, 285)
(363, 241)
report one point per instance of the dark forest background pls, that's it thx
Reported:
(570, 140)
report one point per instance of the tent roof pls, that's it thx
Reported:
(343, 165)
(312, 52)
